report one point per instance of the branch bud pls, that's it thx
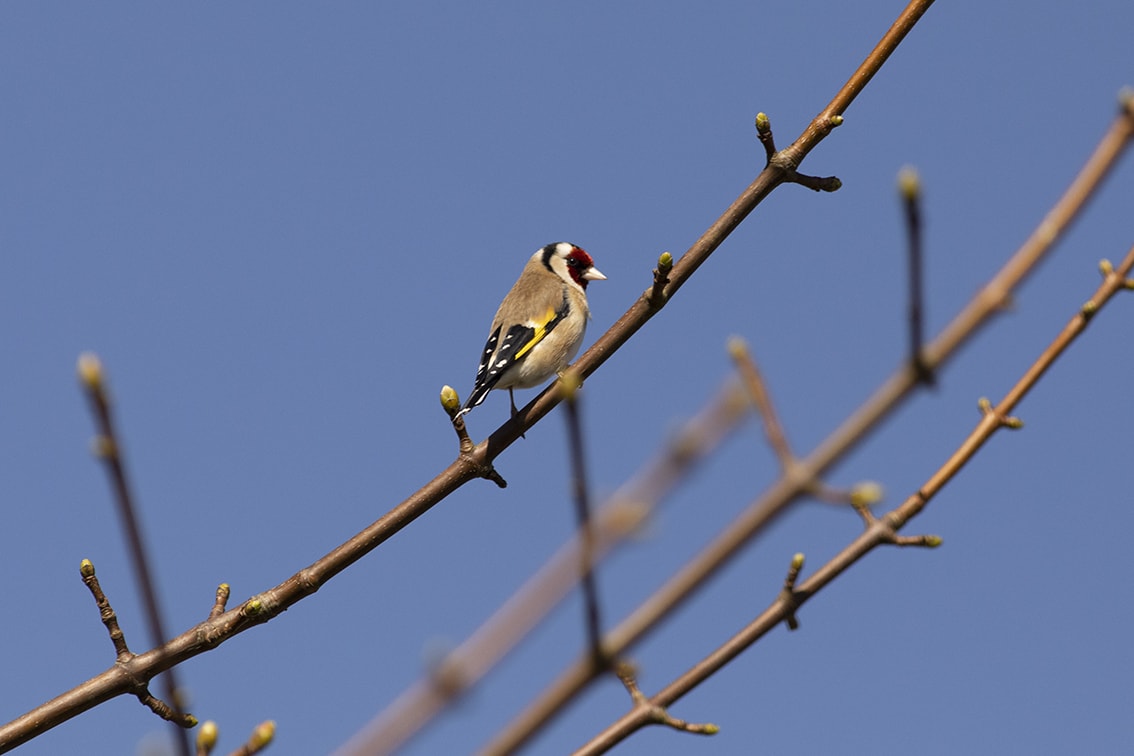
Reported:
(450, 400)
(909, 183)
(737, 347)
(264, 733)
(866, 494)
(207, 736)
(90, 370)
(569, 384)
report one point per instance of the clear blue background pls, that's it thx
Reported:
(285, 226)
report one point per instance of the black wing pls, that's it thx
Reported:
(516, 344)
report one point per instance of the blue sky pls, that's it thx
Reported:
(284, 227)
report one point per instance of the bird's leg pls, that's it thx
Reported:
(515, 411)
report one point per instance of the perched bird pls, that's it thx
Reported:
(540, 324)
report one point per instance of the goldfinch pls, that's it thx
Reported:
(540, 323)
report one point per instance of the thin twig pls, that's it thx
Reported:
(758, 392)
(774, 430)
(910, 188)
(109, 449)
(791, 175)
(105, 610)
(570, 383)
(219, 606)
(654, 714)
(789, 594)
(451, 403)
(879, 531)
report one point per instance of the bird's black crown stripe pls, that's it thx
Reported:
(548, 253)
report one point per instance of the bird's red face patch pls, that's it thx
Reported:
(578, 263)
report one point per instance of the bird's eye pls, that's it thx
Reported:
(572, 262)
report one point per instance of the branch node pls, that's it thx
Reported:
(1005, 421)
(445, 671)
(1106, 267)
(451, 403)
(923, 372)
(627, 673)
